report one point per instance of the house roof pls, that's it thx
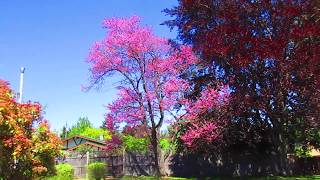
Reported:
(83, 137)
(74, 142)
(88, 144)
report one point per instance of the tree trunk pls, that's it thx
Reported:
(281, 147)
(154, 142)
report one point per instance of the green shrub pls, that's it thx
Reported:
(64, 172)
(165, 144)
(302, 152)
(96, 170)
(134, 144)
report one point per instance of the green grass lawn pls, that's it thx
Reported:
(153, 178)
(215, 178)
(222, 178)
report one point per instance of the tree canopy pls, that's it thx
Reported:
(84, 127)
(150, 69)
(267, 52)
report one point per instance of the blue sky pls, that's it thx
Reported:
(52, 39)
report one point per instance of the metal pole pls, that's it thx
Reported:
(22, 69)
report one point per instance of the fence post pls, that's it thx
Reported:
(88, 159)
(124, 161)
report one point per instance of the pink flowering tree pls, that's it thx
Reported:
(150, 71)
(205, 119)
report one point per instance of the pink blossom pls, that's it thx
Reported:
(200, 132)
(200, 129)
(151, 83)
(210, 99)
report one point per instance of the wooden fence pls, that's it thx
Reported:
(194, 165)
(119, 165)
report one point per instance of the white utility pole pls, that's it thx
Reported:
(22, 69)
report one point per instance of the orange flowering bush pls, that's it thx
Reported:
(27, 146)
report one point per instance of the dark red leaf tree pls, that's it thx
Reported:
(268, 52)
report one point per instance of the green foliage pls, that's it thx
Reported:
(85, 128)
(165, 144)
(96, 133)
(64, 172)
(221, 178)
(303, 136)
(64, 133)
(83, 149)
(82, 124)
(97, 170)
(135, 144)
(302, 152)
(155, 178)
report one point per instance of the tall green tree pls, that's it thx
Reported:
(64, 133)
(84, 127)
(96, 133)
(80, 126)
